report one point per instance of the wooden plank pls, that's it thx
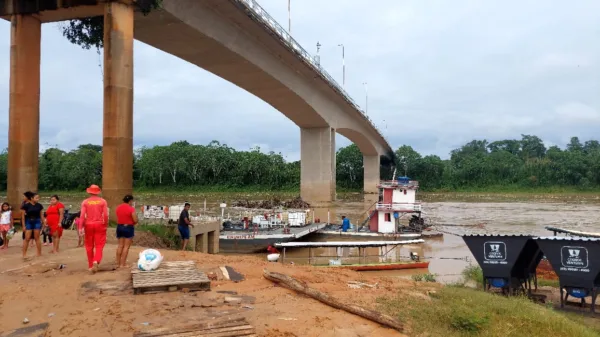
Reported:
(224, 327)
(178, 274)
(213, 323)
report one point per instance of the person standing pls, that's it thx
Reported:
(184, 225)
(54, 218)
(126, 221)
(94, 219)
(345, 223)
(46, 236)
(26, 198)
(80, 231)
(6, 223)
(32, 217)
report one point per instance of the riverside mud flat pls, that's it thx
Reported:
(75, 303)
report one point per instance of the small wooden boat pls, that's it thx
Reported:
(386, 266)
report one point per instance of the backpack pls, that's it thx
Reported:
(66, 223)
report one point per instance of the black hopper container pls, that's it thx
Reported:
(508, 262)
(576, 261)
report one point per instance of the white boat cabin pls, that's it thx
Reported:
(395, 197)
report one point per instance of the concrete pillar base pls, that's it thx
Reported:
(317, 164)
(117, 147)
(24, 107)
(371, 174)
(204, 237)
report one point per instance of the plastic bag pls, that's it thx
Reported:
(10, 234)
(150, 259)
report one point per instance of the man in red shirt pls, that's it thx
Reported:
(94, 218)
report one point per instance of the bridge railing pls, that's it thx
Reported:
(253, 7)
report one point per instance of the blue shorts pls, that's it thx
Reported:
(33, 224)
(184, 231)
(125, 231)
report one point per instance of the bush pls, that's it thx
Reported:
(473, 273)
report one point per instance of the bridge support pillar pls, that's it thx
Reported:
(24, 106)
(117, 145)
(371, 174)
(317, 164)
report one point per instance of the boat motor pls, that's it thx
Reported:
(414, 256)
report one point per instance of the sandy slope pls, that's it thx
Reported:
(81, 304)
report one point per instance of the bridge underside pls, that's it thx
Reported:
(216, 35)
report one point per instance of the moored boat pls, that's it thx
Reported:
(396, 216)
(385, 266)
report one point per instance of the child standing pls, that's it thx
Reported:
(6, 223)
(80, 231)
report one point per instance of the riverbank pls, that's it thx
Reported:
(75, 303)
(214, 197)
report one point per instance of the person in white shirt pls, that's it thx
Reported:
(6, 223)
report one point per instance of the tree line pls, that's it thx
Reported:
(525, 163)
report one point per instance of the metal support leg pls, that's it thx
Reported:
(594, 295)
(283, 259)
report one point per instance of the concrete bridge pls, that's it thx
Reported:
(233, 39)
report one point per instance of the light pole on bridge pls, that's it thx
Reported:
(366, 97)
(343, 64)
(289, 16)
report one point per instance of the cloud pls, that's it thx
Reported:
(440, 73)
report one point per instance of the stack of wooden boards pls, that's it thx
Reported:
(170, 276)
(224, 327)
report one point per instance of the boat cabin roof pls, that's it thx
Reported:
(346, 244)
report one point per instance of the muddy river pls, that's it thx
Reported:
(448, 255)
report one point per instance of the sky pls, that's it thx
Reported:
(440, 73)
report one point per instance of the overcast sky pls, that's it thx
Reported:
(440, 73)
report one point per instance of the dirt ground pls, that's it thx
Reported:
(76, 303)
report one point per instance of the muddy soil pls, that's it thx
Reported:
(75, 303)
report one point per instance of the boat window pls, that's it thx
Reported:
(388, 217)
(404, 192)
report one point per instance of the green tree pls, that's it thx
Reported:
(349, 167)
(89, 32)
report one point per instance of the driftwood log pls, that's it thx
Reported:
(301, 287)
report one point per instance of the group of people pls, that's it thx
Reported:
(91, 224)
(33, 220)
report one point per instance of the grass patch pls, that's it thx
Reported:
(542, 282)
(168, 234)
(473, 273)
(461, 311)
(424, 277)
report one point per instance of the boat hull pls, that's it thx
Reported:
(387, 266)
(246, 242)
(368, 236)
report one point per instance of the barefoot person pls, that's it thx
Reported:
(6, 223)
(94, 218)
(184, 225)
(32, 217)
(26, 198)
(54, 218)
(80, 231)
(126, 221)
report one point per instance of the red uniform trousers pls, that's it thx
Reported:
(95, 239)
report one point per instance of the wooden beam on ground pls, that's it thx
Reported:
(299, 286)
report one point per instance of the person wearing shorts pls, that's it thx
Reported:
(33, 217)
(184, 225)
(6, 223)
(126, 221)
